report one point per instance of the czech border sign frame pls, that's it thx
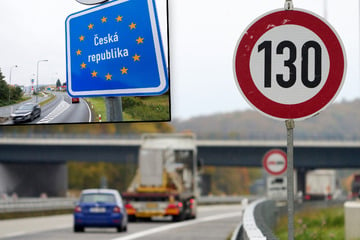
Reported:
(268, 62)
(115, 49)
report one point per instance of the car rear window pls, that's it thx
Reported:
(97, 197)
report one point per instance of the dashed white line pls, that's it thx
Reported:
(56, 112)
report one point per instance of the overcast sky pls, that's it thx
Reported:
(203, 36)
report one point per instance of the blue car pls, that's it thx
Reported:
(100, 208)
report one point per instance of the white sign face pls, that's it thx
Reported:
(91, 2)
(275, 162)
(279, 85)
(289, 64)
(276, 187)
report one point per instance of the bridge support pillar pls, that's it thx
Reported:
(32, 180)
(301, 179)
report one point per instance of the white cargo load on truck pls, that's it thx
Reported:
(320, 184)
(165, 183)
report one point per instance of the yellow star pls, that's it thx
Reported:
(78, 52)
(136, 57)
(108, 76)
(83, 65)
(104, 19)
(124, 70)
(91, 26)
(119, 18)
(140, 40)
(132, 26)
(81, 38)
(94, 74)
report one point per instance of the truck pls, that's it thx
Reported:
(165, 182)
(355, 186)
(321, 184)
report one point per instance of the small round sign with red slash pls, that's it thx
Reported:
(289, 64)
(275, 162)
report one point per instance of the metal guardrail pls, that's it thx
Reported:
(250, 229)
(44, 204)
(36, 204)
(226, 199)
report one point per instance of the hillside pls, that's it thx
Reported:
(340, 121)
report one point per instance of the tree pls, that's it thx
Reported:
(4, 90)
(16, 93)
(58, 83)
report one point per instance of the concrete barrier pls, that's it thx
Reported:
(352, 220)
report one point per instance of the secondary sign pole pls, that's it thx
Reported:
(113, 109)
(290, 125)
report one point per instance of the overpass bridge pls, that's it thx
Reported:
(31, 160)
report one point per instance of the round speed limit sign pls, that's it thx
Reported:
(289, 64)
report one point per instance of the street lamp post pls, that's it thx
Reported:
(37, 78)
(15, 66)
(12, 67)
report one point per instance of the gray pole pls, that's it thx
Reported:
(113, 109)
(290, 125)
(37, 78)
(15, 66)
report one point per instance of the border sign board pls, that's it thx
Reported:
(289, 64)
(115, 49)
(275, 162)
(91, 2)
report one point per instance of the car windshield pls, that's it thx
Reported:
(97, 197)
(25, 107)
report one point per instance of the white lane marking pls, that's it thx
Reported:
(177, 225)
(56, 112)
(86, 103)
(14, 234)
(18, 234)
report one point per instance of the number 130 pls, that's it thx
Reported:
(267, 47)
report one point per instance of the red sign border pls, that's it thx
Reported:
(274, 109)
(267, 156)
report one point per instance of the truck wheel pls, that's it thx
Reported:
(132, 218)
(78, 228)
(178, 218)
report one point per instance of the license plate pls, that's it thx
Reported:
(151, 205)
(97, 210)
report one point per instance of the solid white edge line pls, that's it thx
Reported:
(87, 104)
(177, 225)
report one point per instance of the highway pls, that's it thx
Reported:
(59, 110)
(213, 222)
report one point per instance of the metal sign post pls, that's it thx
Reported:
(290, 125)
(289, 64)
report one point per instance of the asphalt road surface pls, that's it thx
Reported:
(62, 110)
(212, 223)
(59, 110)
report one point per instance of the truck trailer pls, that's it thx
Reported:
(165, 183)
(321, 184)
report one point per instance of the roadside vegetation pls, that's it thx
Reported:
(319, 224)
(9, 94)
(52, 97)
(135, 108)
